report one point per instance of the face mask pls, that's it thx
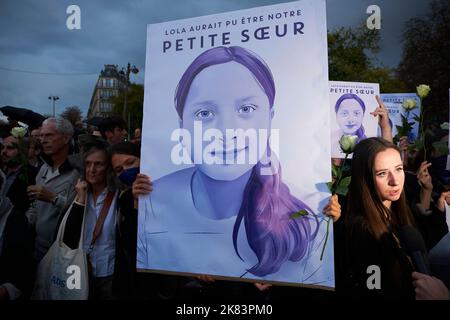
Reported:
(129, 175)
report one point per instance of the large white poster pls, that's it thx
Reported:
(350, 106)
(236, 106)
(406, 105)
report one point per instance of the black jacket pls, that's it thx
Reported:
(362, 250)
(17, 193)
(17, 265)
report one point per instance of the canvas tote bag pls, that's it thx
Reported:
(63, 272)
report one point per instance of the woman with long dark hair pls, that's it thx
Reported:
(376, 211)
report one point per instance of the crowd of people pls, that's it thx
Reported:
(92, 174)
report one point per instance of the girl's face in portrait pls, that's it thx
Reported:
(349, 116)
(227, 96)
(388, 175)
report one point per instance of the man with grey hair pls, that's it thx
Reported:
(54, 189)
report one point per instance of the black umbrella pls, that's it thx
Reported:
(31, 118)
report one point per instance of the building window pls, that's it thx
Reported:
(106, 94)
(106, 83)
(105, 107)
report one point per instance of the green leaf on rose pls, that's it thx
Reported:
(346, 181)
(334, 170)
(299, 214)
(404, 119)
(429, 132)
(417, 145)
(342, 187)
(330, 186)
(342, 190)
(441, 147)
(400, 131)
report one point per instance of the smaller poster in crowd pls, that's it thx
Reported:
(351, 104)
(404, 110)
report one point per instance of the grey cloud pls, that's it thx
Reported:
(34, 37)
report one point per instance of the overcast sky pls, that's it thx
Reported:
(34, 38)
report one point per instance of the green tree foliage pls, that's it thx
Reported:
(426, 58)
(347, 50)
(351, 58)
(135, 103)
(73, 114)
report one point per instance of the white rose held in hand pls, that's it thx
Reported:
(409, 104)
(423, 90)
(18, 132)
(348, 143)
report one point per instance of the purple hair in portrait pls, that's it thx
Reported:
(360, 132)
(267, 204)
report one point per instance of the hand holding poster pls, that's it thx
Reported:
(235, 106)
(350, 107)
(402, 104)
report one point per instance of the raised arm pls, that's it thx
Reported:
(383, 120)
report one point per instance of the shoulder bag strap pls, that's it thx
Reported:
(102, 217)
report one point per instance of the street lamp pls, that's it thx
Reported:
(126, 73)
(54, 98)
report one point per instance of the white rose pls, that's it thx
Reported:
(348, 143)
(18, 132)
(423, 90)
(409, 104)
(444, 126)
